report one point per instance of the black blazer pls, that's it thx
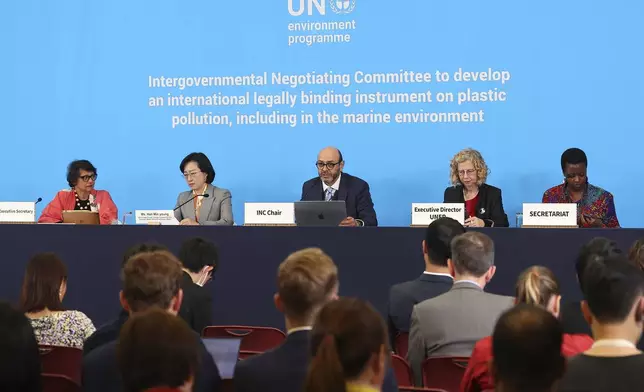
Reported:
(403, 297)
(353, 190)
(284, 368)
(489, 207)
(196, 307)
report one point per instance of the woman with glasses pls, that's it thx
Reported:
(81, 196)
(483, 202)
(204, 203)
(595, 206)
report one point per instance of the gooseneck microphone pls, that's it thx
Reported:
(205, 195)
(38, 201)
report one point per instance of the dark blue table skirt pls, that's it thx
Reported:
(370, 260)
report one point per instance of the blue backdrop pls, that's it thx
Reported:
(75, 85)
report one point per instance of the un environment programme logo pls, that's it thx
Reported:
(342, 6)
(316, 27)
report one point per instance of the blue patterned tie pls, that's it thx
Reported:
(329, 194)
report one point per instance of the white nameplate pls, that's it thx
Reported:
(269, 213)
(17, 211)
(155, 217)
(422, 214)
(550, 214)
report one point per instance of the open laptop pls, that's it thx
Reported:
(224, 352)
(81, 217)
(320, 213)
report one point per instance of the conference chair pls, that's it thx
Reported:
(257, 339)
(401, 344)
(444, 372)
(402, 370)
(247, 354)
(63, 361)
(58, 383)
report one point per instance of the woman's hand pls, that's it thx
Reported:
(473, 221)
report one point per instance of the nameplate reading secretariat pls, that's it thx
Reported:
(550, 215)
(155, 217)
(422, 214)
(277, 214)
(17, 212)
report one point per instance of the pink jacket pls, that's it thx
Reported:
(65, 200)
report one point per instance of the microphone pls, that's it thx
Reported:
(38, 201)
(129, 213)
(205, 195)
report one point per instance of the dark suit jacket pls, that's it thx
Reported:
(101, 372)
(105, 334)
(353, 190)
(196, 307)
(284, 368)
(489, 207)
(403, 297)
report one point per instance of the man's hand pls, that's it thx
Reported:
(188, 222)
(349, 222)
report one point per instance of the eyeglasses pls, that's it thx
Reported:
(328, 165)
(191, 174)
(89, 177)
(469, 172)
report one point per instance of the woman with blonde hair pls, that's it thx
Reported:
(483, 202)
(349, 341)
(536, 286)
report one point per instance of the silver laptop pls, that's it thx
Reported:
(224, 352)
(320, 213)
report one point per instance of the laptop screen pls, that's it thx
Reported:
(224, 351)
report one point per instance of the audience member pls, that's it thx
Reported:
(350, 350)
(200, 259)
(536, 286)
(150, 279)
(452, 323)
(571, 317)
(110, 331)
(434, 281)
(614, 308)
(19, 357)
(157, 350)
(527, 350)
(636, 254)
(306, 281)
(43, 289)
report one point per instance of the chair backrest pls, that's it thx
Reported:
(444, 372)
(417, 389)
(257, 339)
(247, 354)
(401, 344)
(65, 361)
(58, 383)
(402, 370)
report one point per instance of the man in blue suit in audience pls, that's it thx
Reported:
(306, 281)
(434, 281)
(333, 184)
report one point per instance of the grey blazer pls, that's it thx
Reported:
(452, 323)
(216, 210)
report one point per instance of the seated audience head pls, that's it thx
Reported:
(538, 286)
(438, 237)
(306, 281)
(526, 346)
(199, 256)
(156, 349)
(19, 357)
(141, 248)
(636, 254)
(44, 284)
(349, 344)
(600, 246)
(472, 258)
(614, 290)
(152, 279)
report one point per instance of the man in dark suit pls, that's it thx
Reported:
(306, 281)
(200, 259)
(434, 281)
(150, 279)
(333, 184)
